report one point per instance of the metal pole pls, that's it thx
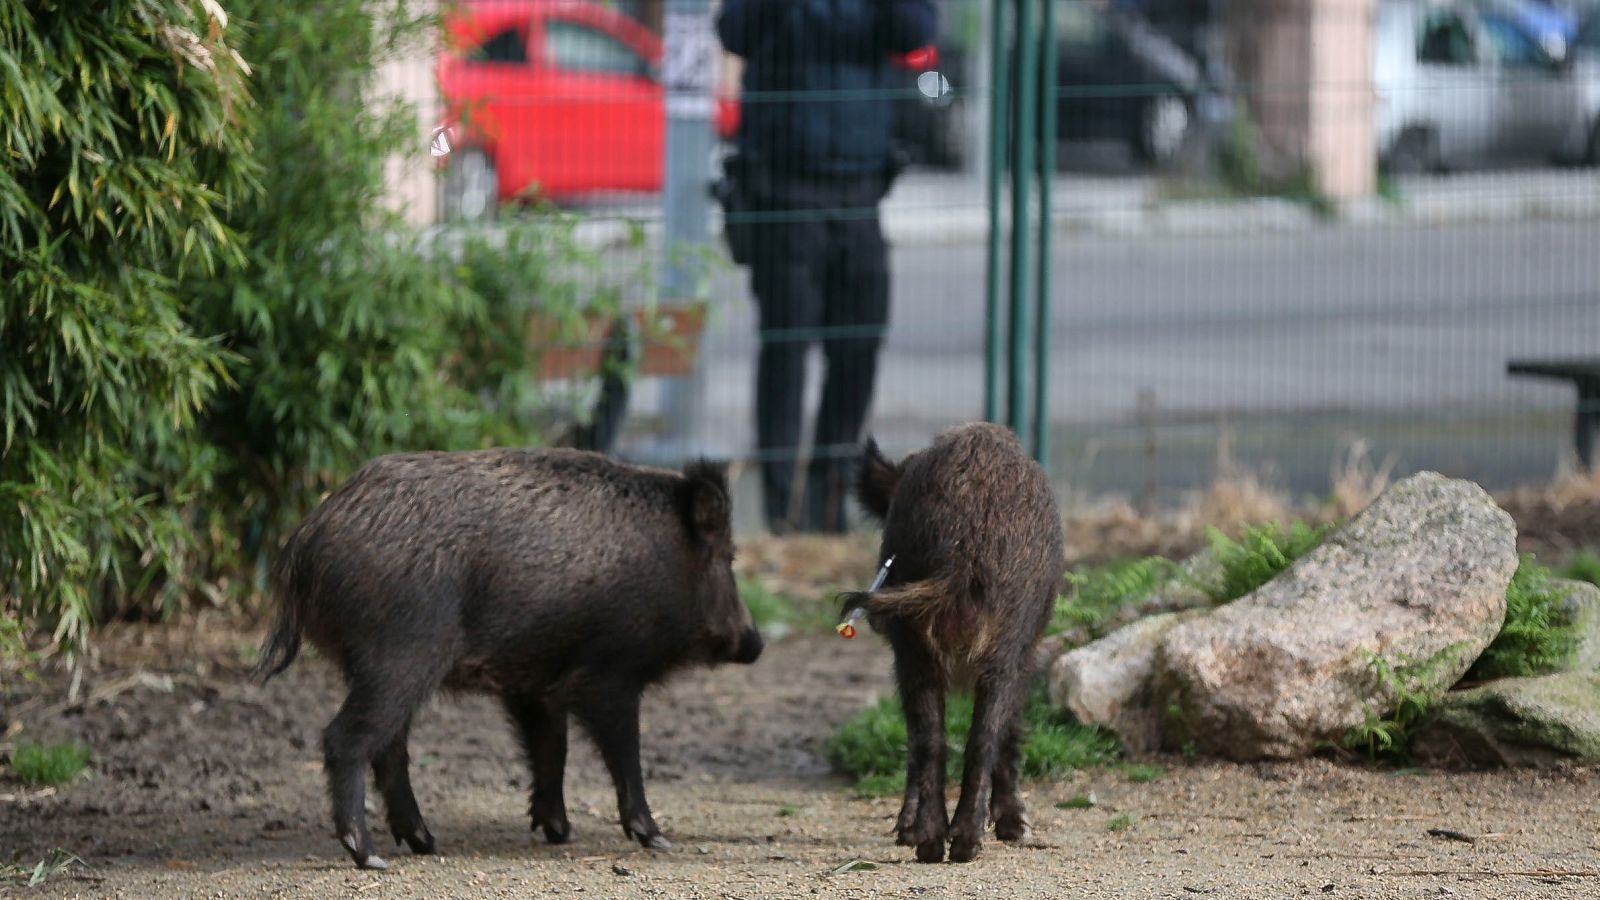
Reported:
(999, 66)
(689, 76)
(1047, 174)
(1022, 146)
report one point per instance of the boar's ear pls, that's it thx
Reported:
(876, 482)
(706, 489)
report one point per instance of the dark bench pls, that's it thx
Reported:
(1584, 374)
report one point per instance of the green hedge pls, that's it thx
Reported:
(212, 316)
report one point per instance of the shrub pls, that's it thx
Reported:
(126, 130)
(221, 317)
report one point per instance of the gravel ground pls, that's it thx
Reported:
(205, 785)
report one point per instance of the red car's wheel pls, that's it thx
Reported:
(471, 187)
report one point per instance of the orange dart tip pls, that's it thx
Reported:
(846, 631)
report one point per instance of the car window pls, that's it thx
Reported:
(578, 48)
(1445, 42)
(508, 46)
(1513, 47)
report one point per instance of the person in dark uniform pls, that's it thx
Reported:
(814, 158)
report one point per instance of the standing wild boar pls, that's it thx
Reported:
(972, 527)
(559, 580)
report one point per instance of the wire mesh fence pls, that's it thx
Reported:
(1280, 228)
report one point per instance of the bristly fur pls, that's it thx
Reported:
(972, 525)
(562, 581)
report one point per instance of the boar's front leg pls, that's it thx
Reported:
(542, 728)
(611, 715)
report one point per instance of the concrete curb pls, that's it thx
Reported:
(1437, 202)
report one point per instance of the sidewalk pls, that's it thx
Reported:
(932, 209)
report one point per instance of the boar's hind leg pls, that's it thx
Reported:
(612, 718)
(368, 722)
(922, 822)
(997, 702)
(1010, 815)
(391, 770)
(543, 731)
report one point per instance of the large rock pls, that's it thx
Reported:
(1581, 607)
(1419, 577)
(1516, 722)
(1108, 682)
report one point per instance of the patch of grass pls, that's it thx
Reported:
(1098, 593)
(788, 810)
(872, 746)
(1537, 637)
(1079, 801)
(1142, 774)
(1583, 567)
(1261, 554)
(771, 610)
(1121, 823)
(49, 764)
(53, 864)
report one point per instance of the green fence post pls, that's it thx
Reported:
(999, 122)
(1047, 172)
(1022, 146)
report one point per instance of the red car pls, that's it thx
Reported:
(556, 98)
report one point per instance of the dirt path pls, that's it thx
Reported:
(210, 787)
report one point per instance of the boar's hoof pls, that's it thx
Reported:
(1012, 828)
(363, 856)
(964, 848)
(556, 830)
(931, 851)
(419, 839)
(650, 840)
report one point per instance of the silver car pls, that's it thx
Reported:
(1462, 84)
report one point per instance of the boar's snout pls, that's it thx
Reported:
(750, 646)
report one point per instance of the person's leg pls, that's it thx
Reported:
(856, 313)
(785, 271)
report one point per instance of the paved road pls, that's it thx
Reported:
(1298, 342)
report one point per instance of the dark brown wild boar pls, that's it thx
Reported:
(972, 526)
(559, 580)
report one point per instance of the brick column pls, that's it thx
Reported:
(410, 177)
(1341, 140)
(1307, 68)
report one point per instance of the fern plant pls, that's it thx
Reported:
(1261, 554)
(1538, 637)
(1094, 596)
(1413, 687)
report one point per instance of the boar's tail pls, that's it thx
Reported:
(915, 598)
(283, 644)
(877, 480)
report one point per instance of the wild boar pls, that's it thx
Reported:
(559, 580)
(972, 527)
